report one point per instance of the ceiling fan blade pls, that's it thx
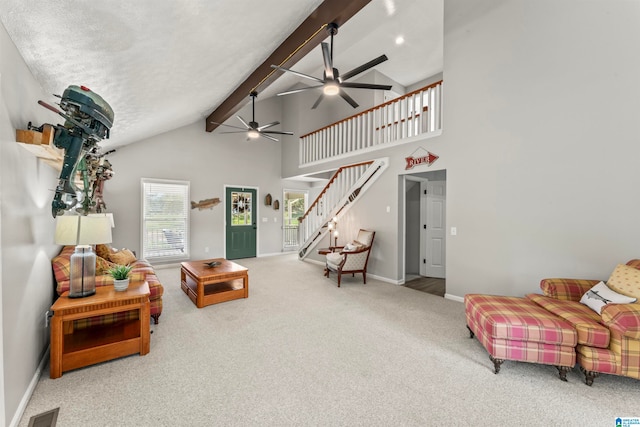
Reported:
(347, 98)
(363, 67)
(268, 125)
(328, 66)
(247, 127)
(268, 137)
(235, 131)
(230, 126)
(306, 76)
(277, 132)
(365, 86)
(290, 92)
(318, 101)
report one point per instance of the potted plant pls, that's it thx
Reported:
(120, 274)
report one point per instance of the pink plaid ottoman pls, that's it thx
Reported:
(512, 328)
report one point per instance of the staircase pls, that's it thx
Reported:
(337, 197)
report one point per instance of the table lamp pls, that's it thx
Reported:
(83, 231)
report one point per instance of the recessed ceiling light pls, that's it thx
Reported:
(399, 40)
(390, 5)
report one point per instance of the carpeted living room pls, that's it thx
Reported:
(301, 351)
(478, 177)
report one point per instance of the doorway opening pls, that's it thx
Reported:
(294, 206)
(424, 234)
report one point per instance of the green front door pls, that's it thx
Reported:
(241, 222)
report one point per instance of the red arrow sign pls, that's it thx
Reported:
(424, 160)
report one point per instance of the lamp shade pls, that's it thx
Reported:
(108, 215)
(83, 230)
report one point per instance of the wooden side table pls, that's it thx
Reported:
(324, 251)
(72, 349)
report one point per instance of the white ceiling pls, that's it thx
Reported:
(164, 64)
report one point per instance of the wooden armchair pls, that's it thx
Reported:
(352, 258)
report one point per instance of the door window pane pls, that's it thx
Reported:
(241, 208)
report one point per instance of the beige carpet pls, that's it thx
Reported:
(301, 351)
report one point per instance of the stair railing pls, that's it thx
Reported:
(344, 187)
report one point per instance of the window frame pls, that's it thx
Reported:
(181, 187)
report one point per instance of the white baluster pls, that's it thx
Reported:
(425, 115)
(439, 109)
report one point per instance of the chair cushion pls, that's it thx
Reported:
(334, 259)
(585, 321)
(598, 359)
(365, 237)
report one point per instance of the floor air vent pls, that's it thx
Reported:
(46, 419)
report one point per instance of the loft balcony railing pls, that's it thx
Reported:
(414, 114)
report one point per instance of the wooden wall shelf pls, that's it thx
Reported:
(40, 144)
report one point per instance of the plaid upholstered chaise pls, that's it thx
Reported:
(142, 270)
(352, 258)
(609, 342)
(537, 328)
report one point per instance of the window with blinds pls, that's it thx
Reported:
(165, 220)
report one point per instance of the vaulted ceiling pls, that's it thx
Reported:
(164, 64)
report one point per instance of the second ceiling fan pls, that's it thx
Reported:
(332, 83)
(253, 129)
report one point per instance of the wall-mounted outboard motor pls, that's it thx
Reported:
(88, 120)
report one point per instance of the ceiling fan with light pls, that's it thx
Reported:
(332, 83)
(253, 129)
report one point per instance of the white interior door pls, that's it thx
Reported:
(434, 244)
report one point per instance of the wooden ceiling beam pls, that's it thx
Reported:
(306, 37)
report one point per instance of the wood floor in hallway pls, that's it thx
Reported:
(430, 285)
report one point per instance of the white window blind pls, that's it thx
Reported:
(165, 220)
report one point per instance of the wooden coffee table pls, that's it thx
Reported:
(71, 349)
(210, 285)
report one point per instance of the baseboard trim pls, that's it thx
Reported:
(275, 254)
(29, 392)
(454, 297)
(385, 279)
(373, 276)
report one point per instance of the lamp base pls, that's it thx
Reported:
(82, 294)
(82, 281)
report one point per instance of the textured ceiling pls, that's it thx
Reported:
(164, 64)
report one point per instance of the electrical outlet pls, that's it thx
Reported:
(206, 249)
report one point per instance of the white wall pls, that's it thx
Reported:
(542, 102)
(540, 145)
(26, 230)
(209, 161)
